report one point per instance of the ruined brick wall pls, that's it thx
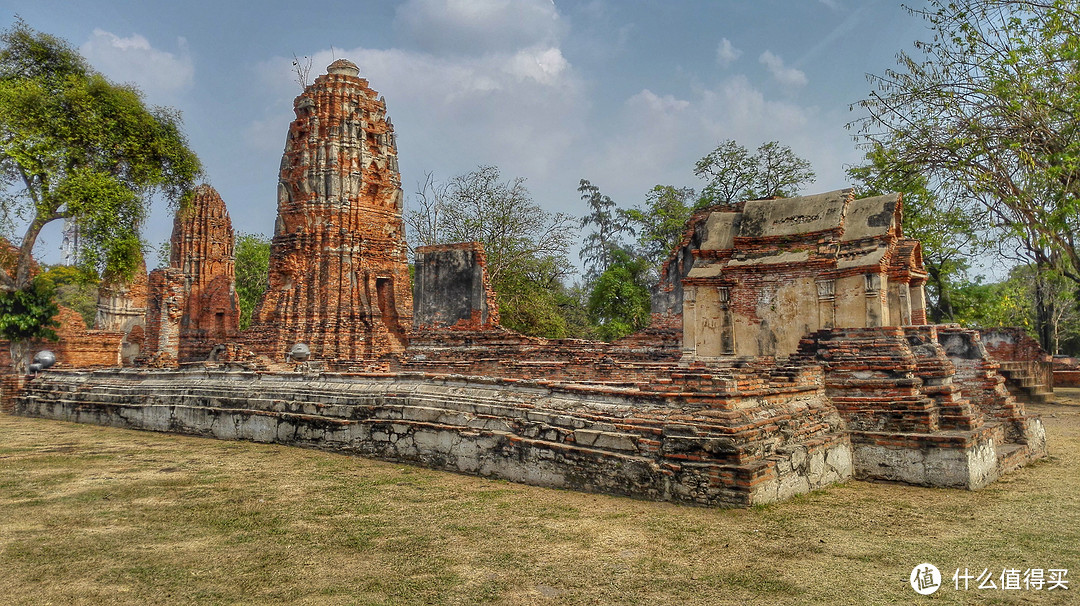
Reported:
(1028, 369)
(339, 278)
(1066, 372)
(121, 307)
(203, 250)
(164, 309)
(76, 346)
(451, 288)
(1012, 344)
(10, 387)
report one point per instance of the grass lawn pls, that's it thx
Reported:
(94, 515)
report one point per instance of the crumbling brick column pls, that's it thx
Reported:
(451, 288)
(165, 307)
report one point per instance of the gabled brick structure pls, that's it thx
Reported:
(339, 277)
(750, 279)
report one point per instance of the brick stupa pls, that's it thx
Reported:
(339, 278)
(203, 249)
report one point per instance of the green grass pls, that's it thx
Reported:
(94, 515)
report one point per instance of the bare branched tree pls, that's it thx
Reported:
(302, 69)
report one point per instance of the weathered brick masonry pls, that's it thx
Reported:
(1066, 372)
(192, 305)
(1027, 368)
(746, 439)
(121, 307)
(203, 249)
(339, 277)
(923, 405)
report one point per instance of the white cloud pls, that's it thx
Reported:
(160, 74)
(521, 110)
(833, 4)
(476, 27)
(726, 53)
(788, 76)
(658, 137)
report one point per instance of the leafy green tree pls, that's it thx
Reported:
(988, 106)
(527, 247)
(252, 273)
(598, 247)
(75, 146)
(734, 175)
(74, 288)
(26, 314)
(660, 224)
(619, 303)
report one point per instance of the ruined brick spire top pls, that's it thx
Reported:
(343, 67)
(339, 272)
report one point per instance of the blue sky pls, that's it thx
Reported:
(628, 94)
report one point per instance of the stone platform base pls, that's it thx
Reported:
(660, 447)
(954, 459)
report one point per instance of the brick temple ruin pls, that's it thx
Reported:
(789, 348)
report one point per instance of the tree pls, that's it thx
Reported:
(734, 175)
(1020, 300)
(619, 303)
(599, 247)
(662, 222)
(252, 273)
(74, 288)
(988, 106)
(27, 314)
(526, 247)
(425, 216)
(80, 147)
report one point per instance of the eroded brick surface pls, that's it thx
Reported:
(750, 279)
(1028, 369)
(203, 249)
(339, 278)
(451, 288)
(121, 307)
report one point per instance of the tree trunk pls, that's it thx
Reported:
(20, 356)
(1044, 312)
(942, 310)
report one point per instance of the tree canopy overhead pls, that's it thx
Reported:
(988, 110)
(74, 145)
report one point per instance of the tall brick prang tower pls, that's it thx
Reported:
(339, 277)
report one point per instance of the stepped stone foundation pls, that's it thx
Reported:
(1027, 368)
(917, 415)
(729, 445)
